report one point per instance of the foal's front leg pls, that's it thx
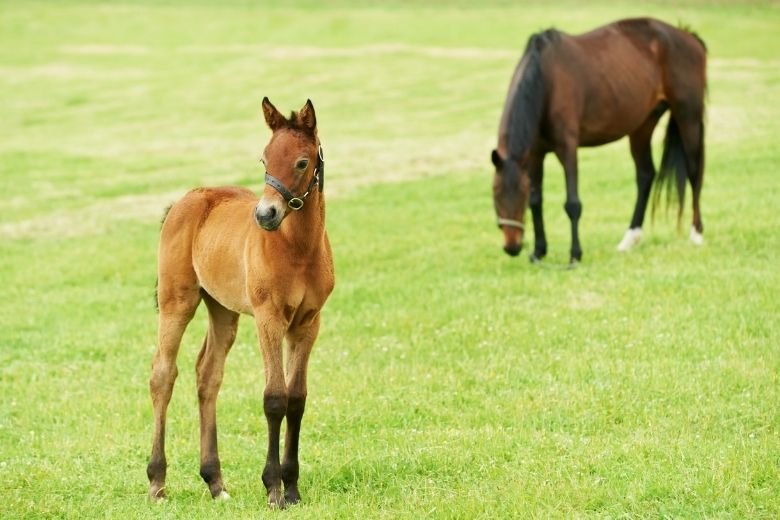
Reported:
(300, 341)
(271, 328)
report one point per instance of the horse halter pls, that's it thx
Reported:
(510, 222)
(293, 202)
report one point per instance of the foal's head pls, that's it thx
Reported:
(293, 162)
(510, 198)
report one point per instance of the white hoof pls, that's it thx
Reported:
(696, 237)
(223, 495)
(630, 239)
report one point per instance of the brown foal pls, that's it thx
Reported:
(268, 258)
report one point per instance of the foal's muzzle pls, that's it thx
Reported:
(268, 215)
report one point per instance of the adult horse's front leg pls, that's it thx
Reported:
(300, 342)
(271, 328)
(536, 173)
(567, 154)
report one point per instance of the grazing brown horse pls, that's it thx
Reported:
(270, 259)
(591, 89)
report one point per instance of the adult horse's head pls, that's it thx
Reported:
(294, 164)
(510, 198)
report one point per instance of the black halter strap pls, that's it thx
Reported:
(293, 202)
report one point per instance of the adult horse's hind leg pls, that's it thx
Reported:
(692, 134)
(300, 343)
(641, 151)
(210, 369)
(178, 301)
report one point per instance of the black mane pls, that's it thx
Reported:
(528, 100)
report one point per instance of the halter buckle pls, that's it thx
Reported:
(295, 203)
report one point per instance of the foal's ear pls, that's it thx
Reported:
(306, 116)
(496, 159)
(273, 117)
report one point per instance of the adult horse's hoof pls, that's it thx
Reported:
(573, 263)
(156, 493)
(291, 496)
(222, 496)
(630, 239)
(276, 500)
(696, 237)
(534, 259)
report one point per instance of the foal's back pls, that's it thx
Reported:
(203, 240)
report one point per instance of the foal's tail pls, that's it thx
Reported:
(157, 280)
(676, 164)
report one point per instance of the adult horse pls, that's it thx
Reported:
(591, 89)
(270, 259)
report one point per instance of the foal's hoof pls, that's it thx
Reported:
(276, 500)
(222, 496)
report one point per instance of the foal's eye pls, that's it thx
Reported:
(302, 164)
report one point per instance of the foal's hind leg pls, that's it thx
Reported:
(641, 151)
(300, 343)
(210, 368)
(177, 306)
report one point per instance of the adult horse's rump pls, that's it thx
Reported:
(591, 89)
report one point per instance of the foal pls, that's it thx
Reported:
(270, 259)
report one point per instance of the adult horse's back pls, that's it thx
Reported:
(591, 89)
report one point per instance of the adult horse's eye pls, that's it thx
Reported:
(302, 164)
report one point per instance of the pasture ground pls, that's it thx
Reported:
(449, 381)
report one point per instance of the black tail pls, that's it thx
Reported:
(674, 165)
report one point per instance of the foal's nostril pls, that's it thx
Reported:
(271, 212)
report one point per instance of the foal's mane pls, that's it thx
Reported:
(528, 99)
(294, 123)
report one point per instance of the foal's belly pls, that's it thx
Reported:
(218, 255)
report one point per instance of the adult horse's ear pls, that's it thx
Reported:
(496, 159)
(306, 116)
(273, 117)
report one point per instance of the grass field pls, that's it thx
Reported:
(449, 380)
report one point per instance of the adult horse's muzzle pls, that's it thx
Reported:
(513, 235)
(268, 214)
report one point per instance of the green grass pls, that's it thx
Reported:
(449, 380)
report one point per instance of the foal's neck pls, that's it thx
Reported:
(303, 230)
